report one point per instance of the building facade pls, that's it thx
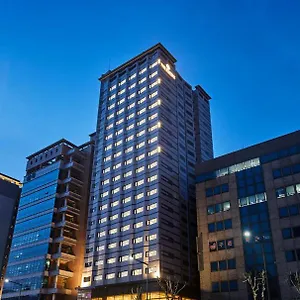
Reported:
(142, 213)
(248, 218)
(10, 190)
(47, 250)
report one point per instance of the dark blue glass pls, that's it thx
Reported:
(267, 247)
(233, 285)
(222, 265)
(286, 171)
(217, 190)
(220, 226)
(224, 286)
(209, 192)
(283, 212)
(214, 266)
(231, 264)
(242, 192)
(244, 220)
(264, 226)
(269, 257)
(212, 227)
(244, 211)
(26, 253)
(280, 193)
(287, 233)
(258, 178)
(294, 210)
(32, 223)
(260, 187)
(254, 218)
(215, 287)
(296, 231)
(296, 169)
(210, 209)
(25, 268)
(225, 188)
(219, 207)
(228, 224)
(250, 190)
(271, 269)
(241, 183)
(290, 255)
(263, 216)
(298, 254)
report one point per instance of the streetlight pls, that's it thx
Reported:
(17, 283)
(247, 235)
(131, 257)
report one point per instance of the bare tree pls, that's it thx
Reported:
(137, 293)
(171, 287)
(257, 283)
(294, 280)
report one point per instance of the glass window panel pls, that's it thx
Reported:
(296, 231)
(219, 207)
(296, 169)
(290, 190)
(222, 265)
(294, 210)
(226, 206)
(212, 246)
(224, 286)
(217, 190)
(221, 245)
(298, 254)
(283, 212)
(252, 200)
(298, 188)
(231, 264)
(225, 188)
(210, 209)
(260, 187)
(241, 192)
(250, 190)
(233, 285)
(258, 178)
(229, 244)
(36, 222)
(287, 233)
(243, 202)
(214, 266)
(215, 287)
(220, 225)
(228, 224)
(211, 227)
(209, 192)
(250, 181)
(280, 193)
(286, 171)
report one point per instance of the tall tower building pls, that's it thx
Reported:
(10, 190)
(142, 214)
(47, 250)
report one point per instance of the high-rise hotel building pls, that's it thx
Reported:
(47, 248)
(142, 214)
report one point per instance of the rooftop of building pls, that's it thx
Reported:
(137, 58)
(270, 147)
(10, 179)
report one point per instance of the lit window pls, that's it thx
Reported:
(142, 100)
(138, 255)
(139, 196)
(101, 234)
(112, 97)
(115, 191)
(110, 116)
(114, 217)
(112, 88)
(130, 127)
(152, 221)
(118, 154)
(140, 157)
(153, 140)
(122, 82)
(153, 74)
(103, 207)
(132, 76)
(139, 123)
(153, 117)
(152, 178)
(116, 178)
(113, 231)
(120, 121)
(129, 173)
(140, 145)
(110, 276)
(108, 137)
(151, 237)
(137, 240)
(155, 104)
(99, 262)
(138, 225)
(126, 200)
(143, 71)
(152, 192)
(124, 258)
(124, 243)
(128, 162)
(132, 86)
(108, 147)
(118, 143)
(141, 111)
(100, 248)
(136, 272)
(115, 203)
(102, 195)
(129, 149)
(127, 187)
(119, 131)
(106, 170)
(140, 169)
(154, 83)
(154, 127)
(130, 116)
(125, 214)
(121, 101)
(168, 70)
(153, 152)
(138, 210)
(103, 220)
(139, 182)
(121, 92)
(130, 138)
(131, 105)
(111, 106)
(125, 228)
(111, 260)
(153, 94)
(123, 274)
(117, 166)
(109, 126)
(120, 111)
(151, 253)
(107, 158)
(142, 90)
(153, 65)
(131, 96)
(111, 245)
(106, 181)
(140, 133)
(151, 206)
(142, 80)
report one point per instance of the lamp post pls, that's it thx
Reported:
(259, 239)
(147, 277)
(17, 283)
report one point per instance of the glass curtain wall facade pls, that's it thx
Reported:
(48, 240)
(142, 216)
(250, 199)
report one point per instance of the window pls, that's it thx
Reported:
(152, 206)
(122, 82)
(220, 207)
(102, 207)
(119, 122)
(140, 145)
(132, 86)
(126, 200)
(153, 74)
(111, 245)
(104, 182)
(131, 96)
(129, 149)
(287, 191)
(130, 116)
(112, 88)
(123, 274)
(117, 154)
(217, 190)
(221, 245)
(138, 225)
(290, 210)
(117, 166)
(111, 260)
(116, 178)
(137, 240)
(154, 139)
(121, 101)
(142, 90)
(132, 76)
(129, 173)
(152, 178)
(290, 255)
(139, 196)
(152, 221)
(113, 231)
(138, 255)
(125, 214)
(123, 258)
(152, 117)
(118, 143)
(152, 165)
(152, 192)
(151, 237)
(113, 217)
(141, 111)
(224, 286)
(111, 106)
(125, 228)
(130, 127)
(140, 157)
(253, 199)
(292, 232)
(142, 100)
(131, 105)
(221, 225)
(124, 243)
(130, 138)
(136, 272)
(141, 133)
(106, 170)
(110, 276)
(115, 191)
(103, 220)
(140, 169)
(138, 210)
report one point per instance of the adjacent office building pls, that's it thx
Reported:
(142, 214)
(10, 189)
(47, 250)
(248, 207)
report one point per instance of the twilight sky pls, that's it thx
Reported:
(244, 53)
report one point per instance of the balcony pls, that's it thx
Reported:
(64, 272)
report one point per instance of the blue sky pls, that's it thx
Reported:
(245, 53)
